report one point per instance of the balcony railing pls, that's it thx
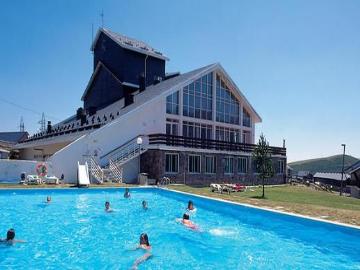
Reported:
(173, 140)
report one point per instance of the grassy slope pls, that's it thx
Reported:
(296, 199)
(328, 164)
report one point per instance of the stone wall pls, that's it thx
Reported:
(153, 163)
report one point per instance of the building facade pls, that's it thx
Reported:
(196, 127)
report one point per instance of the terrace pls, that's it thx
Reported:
(172, 140)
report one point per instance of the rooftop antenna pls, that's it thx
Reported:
(22, 126)
(102, 18)
(42, 123)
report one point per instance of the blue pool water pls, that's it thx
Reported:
(74, 232)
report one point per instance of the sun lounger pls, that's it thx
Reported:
(33, 180)
(216, 187)
(51, 180)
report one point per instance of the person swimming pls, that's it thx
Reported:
(144, 205)
(10, 238)
(127, 193)
(107, 207)
(145, 245)
(187, 222)
(48, 199)
(190, 208)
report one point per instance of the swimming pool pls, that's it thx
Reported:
(74, 232)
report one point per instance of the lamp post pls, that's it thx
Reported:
(342, 171)
(139, 142)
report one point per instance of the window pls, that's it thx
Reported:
(194, 164)
(197, 130)
(242, 165)
(227, 106)
(229, 165)
(171, 163)
(172, 127)
(197, 98)
(246, 118)
(210, 164)
(246, 137)
(172, 103)
(227, 134)
(281, 166)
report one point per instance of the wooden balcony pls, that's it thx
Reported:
(172, 140)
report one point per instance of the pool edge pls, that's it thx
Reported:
(266, 209)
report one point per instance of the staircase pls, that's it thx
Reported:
(95, 171)
(112, 171)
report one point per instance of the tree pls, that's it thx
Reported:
(262, 160)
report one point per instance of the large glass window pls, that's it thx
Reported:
(227, 134)
(197, 130)
(228, 165)
(210, 164)
(172, 103)
(194, 164)
(281, 166)
(243, 165)
(197, 98)
(227, 106)
(246, 118)
(171, 163)
(172, 127)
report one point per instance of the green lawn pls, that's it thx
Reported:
(297, 199)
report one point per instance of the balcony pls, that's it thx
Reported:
(172, 140)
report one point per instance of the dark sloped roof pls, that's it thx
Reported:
(13, 137)
(129, 43)
(353, 167)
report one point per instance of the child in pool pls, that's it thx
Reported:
(187, 222)
(145, 245)
(48, 199)
(190, 208)
(127, 193)
(144, 205)
(107, 207)
(10, 238)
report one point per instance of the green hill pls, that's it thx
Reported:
(328, 164)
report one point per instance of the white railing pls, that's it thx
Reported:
(116, 171)
(127, 151)
(95, 170)
(115, 159)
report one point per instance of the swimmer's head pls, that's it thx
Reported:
(190, 205)
(144, 240)
(144, 204)
(107, 205)
(48, 198)
(10, 234)
(186, 216)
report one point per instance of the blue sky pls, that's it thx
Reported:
(297, 62)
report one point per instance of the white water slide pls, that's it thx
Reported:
(83, 175)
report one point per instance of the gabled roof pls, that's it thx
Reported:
(99, 66)
(175, 83)
(129, 43)
(333, 176)
(13, 137)
(354, 167)
(241, 95)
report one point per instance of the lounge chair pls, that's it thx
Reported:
(51, 180)
(33, 180)
(219, 188)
